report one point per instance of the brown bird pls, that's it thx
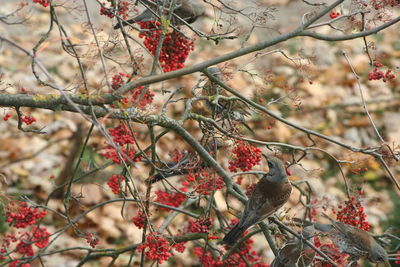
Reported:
(354, 241)
(188, 10)
(271, 192)
(296, 253)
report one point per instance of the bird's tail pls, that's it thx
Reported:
(234, 234)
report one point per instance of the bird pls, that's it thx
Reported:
(296, 253)
(354, 241)
(271, 192)
(187, 10)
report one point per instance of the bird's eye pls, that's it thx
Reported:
(270, 165)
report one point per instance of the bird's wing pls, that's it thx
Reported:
(276, 199)
(267, 197)
(189, 11)
(253, 210)
(359, 238)
(146, 15)
(291, 255)
(288, 255)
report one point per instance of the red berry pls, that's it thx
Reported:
(7, 116)
(44, 3)
(333, 14)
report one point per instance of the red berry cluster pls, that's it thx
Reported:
(203, 182)
(18, 263)
(206, 258)
(332, 251)
(122, 9)
(243, 256)
(177, 155)
(236, 258)
(2, 253)
(353, 213)
(40, 237)
(139, 219)
(202, 225)
(117, 80)
(24, 247)
(91, 239)
(28, 120)
(147, 98)
(174, 199)
(114, 183)
(244, 253)
(397, 261)
(377, 74)
(180, 247)
(156, 248)
(111, 153)
(123, 137)
(247, 156)
(44, 3)
(250, 189)
(314, 210)
(106, 11)
(175, 48)
(23, 241)
(24, 216)
(7, 116)
(334, 14)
